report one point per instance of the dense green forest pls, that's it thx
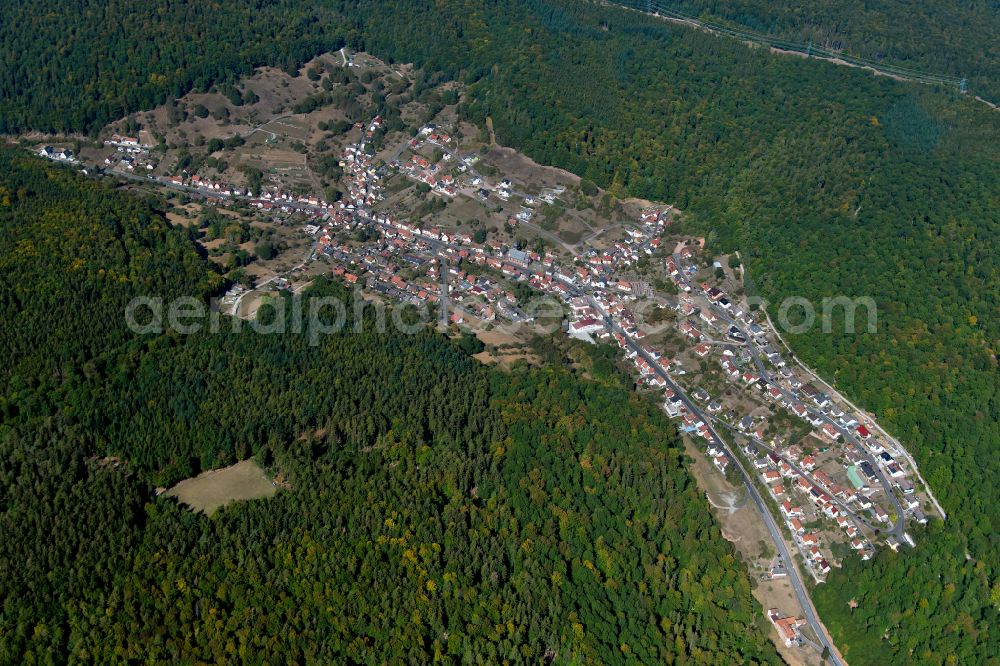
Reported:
(830, 182)
(436, 509)
(76, 65)
(956, 39)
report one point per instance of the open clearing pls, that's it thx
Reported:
(211, 490)
(504, 349)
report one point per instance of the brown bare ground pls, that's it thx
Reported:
(745, 529)
(523, 168)
(497, 337)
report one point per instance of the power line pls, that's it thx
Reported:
(809, 49)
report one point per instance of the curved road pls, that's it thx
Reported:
(804, 474)
(900, 525)
(801, 594)
(809, 611)
(874, 425)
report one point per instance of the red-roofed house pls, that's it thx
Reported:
(790, 511)
(787, 627)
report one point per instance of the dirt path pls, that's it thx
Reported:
(489, 128)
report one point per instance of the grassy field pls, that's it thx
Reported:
(211, 490)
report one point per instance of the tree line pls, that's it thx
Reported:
(829, 181)
(431, 508)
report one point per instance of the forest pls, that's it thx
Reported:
(831, 183)
(828, 180)
(431, 508)
(74, 67)
(941, 38)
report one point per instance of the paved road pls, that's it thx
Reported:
(801, 472)
(400, 149)
(874, 425)
(799, 50)
(801, 594)
(900, 525)
(569, 247)
(445, 309)
(797, 585)
(257, 287)
(897, 529)
(572, 249)
(597, 232)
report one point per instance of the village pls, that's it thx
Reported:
(432, 220)
(839, 490)
(831, 478)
